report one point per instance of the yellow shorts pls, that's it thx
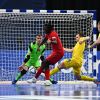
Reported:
(68, 63)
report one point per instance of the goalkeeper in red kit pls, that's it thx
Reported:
(51, 37)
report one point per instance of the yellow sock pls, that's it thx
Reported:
(53, 71)
(86, 78)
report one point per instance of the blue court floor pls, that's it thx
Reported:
(77, 90)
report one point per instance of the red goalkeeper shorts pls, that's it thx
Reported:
(54, 57)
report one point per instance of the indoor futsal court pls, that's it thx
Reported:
(72, 90)
(18, 27)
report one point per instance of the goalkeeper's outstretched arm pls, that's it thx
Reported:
(68, 50)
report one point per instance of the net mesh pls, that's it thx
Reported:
(17, 30)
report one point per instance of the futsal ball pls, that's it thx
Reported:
(32, 70)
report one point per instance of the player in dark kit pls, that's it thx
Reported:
(52, 38)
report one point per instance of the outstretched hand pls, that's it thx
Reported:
(21, 68)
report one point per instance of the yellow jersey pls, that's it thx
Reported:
(78, 51)
(99, 35)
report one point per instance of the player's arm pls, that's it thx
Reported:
(44, 41)
(84, 39)
(52, 40)
(68, 50)
(24, 62)
(95, 43)
(27, 57)
(42, 55)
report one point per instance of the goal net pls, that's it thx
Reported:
(17, 30)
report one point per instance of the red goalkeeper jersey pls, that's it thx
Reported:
(58, 48)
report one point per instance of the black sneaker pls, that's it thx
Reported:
(14, 81)
(53, 82)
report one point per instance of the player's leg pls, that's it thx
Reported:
(22, 72)
(33, 69)
(51, 80)
(36, 66)
(87, 78)
(19, 75)
(56, 69)
(82, 77)
(47, 74)
(45, 64)
(63, 65)
(77, 73)
(52, 59)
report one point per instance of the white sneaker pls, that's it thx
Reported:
(47, 83)
(33, 80)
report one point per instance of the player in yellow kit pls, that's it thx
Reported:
(76, 61)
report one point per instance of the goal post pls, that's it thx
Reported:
(19, 27)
